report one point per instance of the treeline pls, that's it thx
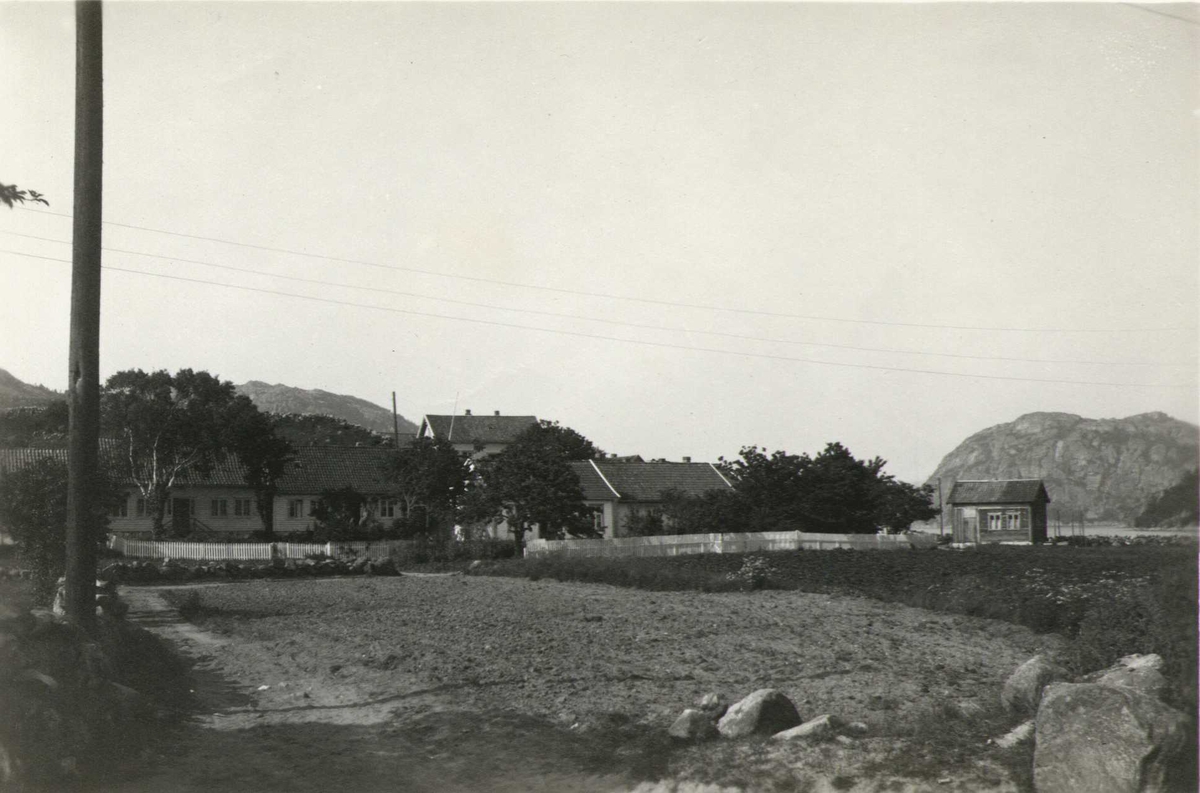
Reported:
(833, 492)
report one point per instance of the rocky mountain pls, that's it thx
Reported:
(15, 394)
(285, 399)
(1108, 468)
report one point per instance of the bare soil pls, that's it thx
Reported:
(494, 684)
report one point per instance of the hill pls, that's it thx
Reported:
(284, 399)
(1107, 468)
(16, 394)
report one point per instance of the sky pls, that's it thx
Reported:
(678, 228)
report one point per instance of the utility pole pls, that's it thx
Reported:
(395, 421)
(83, 376)
(941, 511)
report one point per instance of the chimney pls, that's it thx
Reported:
(466, 412)
(497, 412)
(687, 459)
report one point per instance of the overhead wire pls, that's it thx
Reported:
(642, 342)
(603, 320)
(611, 296)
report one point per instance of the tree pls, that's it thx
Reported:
(831, 493)
(10, 195)
(263, 454)
(531, 483)
(33, 505)
(563, 441)
(429, 476)
(169, 426)
(1178, 505)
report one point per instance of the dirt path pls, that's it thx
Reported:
(241, 738)
(484, 684)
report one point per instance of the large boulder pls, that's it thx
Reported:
(693, 725)
(1141, 673)
(1096, 738)
(765, 712)
(1023, 689)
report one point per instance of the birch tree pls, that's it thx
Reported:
(169, 427)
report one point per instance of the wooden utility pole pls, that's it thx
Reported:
(941, 511)
(395, 421)
(83, 376)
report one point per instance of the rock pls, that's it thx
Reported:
(765, 712)
(814, 730)
(1019, 734)
(856, 728)
(1094, 738)
(1141, 673)
(967, 709)
(713, 704)
(844, 740)
(693, 725)
(1023, 689)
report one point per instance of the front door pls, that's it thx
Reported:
(181, 516)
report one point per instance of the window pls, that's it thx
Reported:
(295, 508)
(220, 508)
(120, 510)
(143, 507)
(598, 518)
(241, 507)
(387, 507)
(312, 506)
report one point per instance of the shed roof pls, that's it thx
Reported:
(645, 481)
(997, 491)
(481, 429)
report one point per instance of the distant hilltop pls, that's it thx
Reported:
(1106, 468)
(286, 399)
(16, 394)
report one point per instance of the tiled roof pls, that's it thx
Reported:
(594, 486)
(484, 429)
(313, 469)
(318, 468)
(997, 491)
(14, 459)
(642, 481)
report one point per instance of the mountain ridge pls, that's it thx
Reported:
(284, 399)
(1106, 469)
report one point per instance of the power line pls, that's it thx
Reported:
(1150, 10)
(609, 296)
(639, 325)
(577, 334)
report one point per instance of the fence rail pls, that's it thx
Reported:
(681, 544)
(248, 551)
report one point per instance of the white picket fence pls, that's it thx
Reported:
(680, 544)
(248, 551)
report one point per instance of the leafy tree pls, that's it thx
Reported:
(566, 442)
(263, 454)
(531, 483)
(429, 476)
(33, 505)
(34, 425)
(307, 429)
(1178, 505)
(831, 493)
(169, 427)
(10, 195)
